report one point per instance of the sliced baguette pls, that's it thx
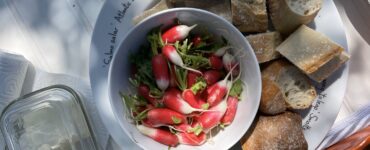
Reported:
(272, 99)
(264, 45)
(249, 15)
(310, 50)
(288, 15)
(330, 67)
(219, 7)
(161, 5)
(297, 89)
(283, 131)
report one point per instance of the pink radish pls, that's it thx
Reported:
(176, 33)
(209, 120)
(232, 105)
(147, 123)
(221, 51)
(219, 89)
(216, 62)
(202, 103)
(173, 80)
(159, 135)
(217, 92)
(196, 40)
(173, 100)
(212, 76)
(144, 91)
(191, 78)
(182, 127)
(190, 98)
(229, 61)
(189, 95)
(171, 54)
(164, 116)
(160, 71)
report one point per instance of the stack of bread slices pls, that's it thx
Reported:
(292, 57)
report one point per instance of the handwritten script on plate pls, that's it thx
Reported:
(116, 20)
(313, 115)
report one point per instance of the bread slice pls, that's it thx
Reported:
(264, 45)
(219, 7)
(249, 15)
(272, 99)
(161, 5)
(330, 67)
(282, 131)
(288, 15)
(309, 50)
(297, 89)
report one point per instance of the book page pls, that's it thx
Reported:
(13, 71)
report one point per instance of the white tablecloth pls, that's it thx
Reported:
(55, 36)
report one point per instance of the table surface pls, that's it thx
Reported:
(55, 36)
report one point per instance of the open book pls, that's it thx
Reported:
(19, 77)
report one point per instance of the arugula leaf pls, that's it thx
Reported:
(236, 89)
(175, 120)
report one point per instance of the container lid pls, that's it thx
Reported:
(48, 119)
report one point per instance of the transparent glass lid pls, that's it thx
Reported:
(48, 119)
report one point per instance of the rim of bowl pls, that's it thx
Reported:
(196, 10)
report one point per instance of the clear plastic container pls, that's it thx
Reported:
(52, 118)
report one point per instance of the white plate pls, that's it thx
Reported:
(115, 20)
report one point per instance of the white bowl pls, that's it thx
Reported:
(120, 68)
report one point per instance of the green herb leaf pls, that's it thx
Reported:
(184, 47)
(195, 61)
(134, 82)
(222, 126)
(155, 39)
(181, 77)
(175, 120)
(128, 101)
(142, 115)
(236, 89)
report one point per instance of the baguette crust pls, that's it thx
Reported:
(286, 19)
(272, 99)
(282, 131)
(264, 45)
(249, 15)
(297, 89)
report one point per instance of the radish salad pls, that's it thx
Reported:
(187, 85)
